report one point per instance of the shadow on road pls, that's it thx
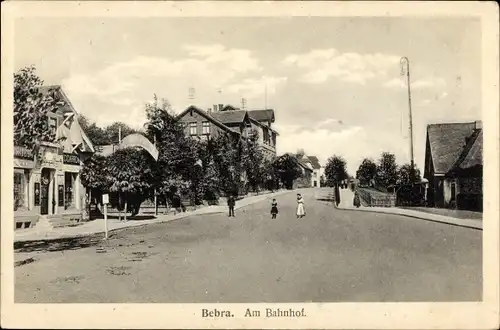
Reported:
(73, 243)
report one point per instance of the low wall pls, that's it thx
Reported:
(376, 199)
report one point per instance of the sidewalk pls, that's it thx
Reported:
(97, 226)
(346, 203)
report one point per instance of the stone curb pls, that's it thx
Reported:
(421, 217)
(221, 209)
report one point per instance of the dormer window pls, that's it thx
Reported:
(53, 125)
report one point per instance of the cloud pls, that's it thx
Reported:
(253, 87)
(106, 95)
(349, 67)
(427, 83)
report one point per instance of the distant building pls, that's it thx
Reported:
(204, 124)
(305, 165)
(454, 165)
(318, 172)
(47, 185)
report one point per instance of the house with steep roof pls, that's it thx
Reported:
(318, 172)
(47, 181)
(454, 165)
(203, 124)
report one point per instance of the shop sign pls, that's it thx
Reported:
(23, 152)
(71, 159)
(23, 163)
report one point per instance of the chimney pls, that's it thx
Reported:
(209, 110)
(221, 106)
(215, 107)
(478, 124)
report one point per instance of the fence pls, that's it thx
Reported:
(376, 199)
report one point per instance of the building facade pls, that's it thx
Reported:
(453, 165)
(203, 124)
(47, 181)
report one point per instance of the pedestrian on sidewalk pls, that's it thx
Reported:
(274, 208)
(231, 202)
(356, 201)
(337, 195)
(301, 211)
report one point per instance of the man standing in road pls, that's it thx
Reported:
(231, 202)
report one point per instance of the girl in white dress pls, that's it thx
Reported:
(301, 211)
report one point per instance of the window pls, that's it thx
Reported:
(193, 129)
(206, 127)
(68, 187)
(266, 136)
(53, 125)
(19, 186)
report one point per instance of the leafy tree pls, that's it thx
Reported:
(335, 170)
(95, 133)
(131, 175)
(226, 155)
(287, 169)
(366, 171)
(112, 132)
(178, 154)
(253, 161)
(387, 170)
(404, 175)
(31, 106)
(94, 174)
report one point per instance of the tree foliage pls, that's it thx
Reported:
(404, 175)
(335, 170)
(366, 171)
(287, 169)
(107, 135)
(31, 106)
(252, 160)
(178, 154)
(387, 170)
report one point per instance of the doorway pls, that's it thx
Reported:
(44, 191)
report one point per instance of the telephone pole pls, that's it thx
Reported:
(404, 60)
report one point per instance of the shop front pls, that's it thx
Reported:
(47, 185)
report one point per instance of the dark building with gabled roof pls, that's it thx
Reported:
(205, 124)
(454, 165)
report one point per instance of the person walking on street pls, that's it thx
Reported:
(274, 208)
(337, 195)
(231, 202)
(301, 211)
(356, 201)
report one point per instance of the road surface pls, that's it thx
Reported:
(329, 256)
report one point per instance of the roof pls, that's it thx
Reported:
(207, 116)
(228, 117)
(262, 115)
(473, 153)
(70, 128)
(315, 162)
(454, 144)
(447, 142)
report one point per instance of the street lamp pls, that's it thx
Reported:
(405, 66)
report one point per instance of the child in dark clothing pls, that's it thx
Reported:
(274, 209)
(231, 203)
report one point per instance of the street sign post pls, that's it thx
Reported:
(105, 201)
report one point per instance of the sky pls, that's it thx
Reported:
(335, 83)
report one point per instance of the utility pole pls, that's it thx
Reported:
(243, 103)
(404, 60)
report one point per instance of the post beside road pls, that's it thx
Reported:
(105, 201)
